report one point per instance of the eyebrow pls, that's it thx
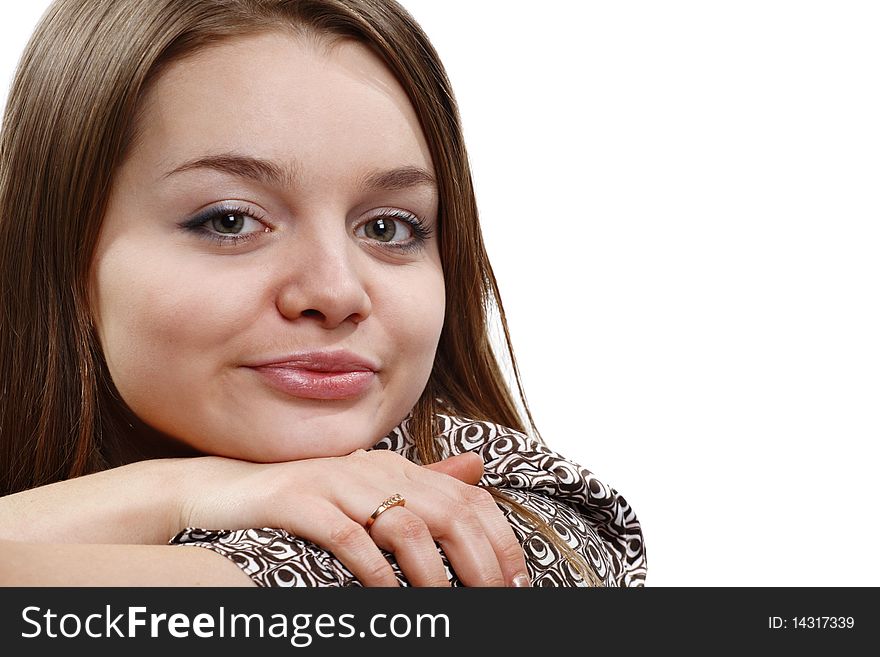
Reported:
(240, 166)
(397, 179)
(271, 173)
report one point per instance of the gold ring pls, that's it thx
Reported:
(394, 500)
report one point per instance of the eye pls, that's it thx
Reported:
(385, 229)
(395, 229)
(232, 222)
(227, 224)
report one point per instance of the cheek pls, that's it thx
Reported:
(414, 319)
(157, 319)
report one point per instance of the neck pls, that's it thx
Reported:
(128, 439)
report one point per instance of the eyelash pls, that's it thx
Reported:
(420, 232)
(198, 224)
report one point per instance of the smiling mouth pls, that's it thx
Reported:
(318, 374)
(305, 383)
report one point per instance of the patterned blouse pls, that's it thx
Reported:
(587, 514)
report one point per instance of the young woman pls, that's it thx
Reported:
(245, 309)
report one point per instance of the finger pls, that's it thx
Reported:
(467, 467)
(350, 543)
(458, 532)
(456, 527)
(437, 498)
(497, 529)
(461, 534)
(471, 555)
(504, 542)
(407, 536)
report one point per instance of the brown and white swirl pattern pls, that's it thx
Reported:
(588, 515)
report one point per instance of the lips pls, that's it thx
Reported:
(319, 374)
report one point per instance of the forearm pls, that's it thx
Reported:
(131, 504)
(49, 564)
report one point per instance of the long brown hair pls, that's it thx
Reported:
(70, 119)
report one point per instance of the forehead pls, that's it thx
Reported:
(323, 111)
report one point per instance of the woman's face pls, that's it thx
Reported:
(267, 283)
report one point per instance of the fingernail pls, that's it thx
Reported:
(521, 580)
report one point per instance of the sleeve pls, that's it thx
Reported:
(591, 516)
(274, 557)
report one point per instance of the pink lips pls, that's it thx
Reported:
(319, 374)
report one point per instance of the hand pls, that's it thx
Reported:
(328, 501)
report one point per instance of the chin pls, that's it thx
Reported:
(296, 436)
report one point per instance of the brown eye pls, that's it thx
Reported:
(381, 229)
(394, 229)
(228, 223)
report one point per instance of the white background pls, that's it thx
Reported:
(682, 206)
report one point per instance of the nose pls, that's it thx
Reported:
(322, 282)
